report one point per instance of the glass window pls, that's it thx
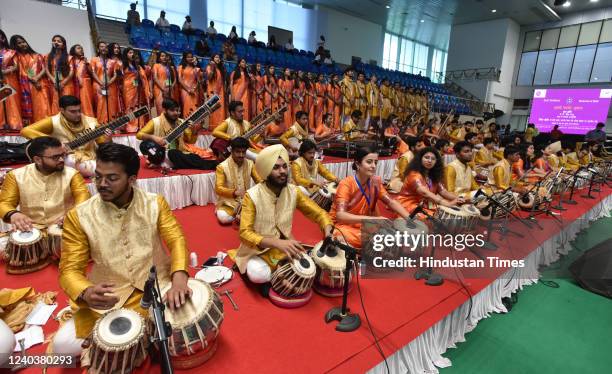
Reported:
(569, 36)
(116, 8)
(563, 65)
(583, 61)
(532, 41)
(421, 52)
(225, 14)
(527, 68)
(176, 10)
(544, 68)
(606, 32)
(549, 39)
(589, 33)
(602, 67)
(406, 55)
(393, 52)
(257, 17)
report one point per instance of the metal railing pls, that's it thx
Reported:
(447, 102)
(489, 74)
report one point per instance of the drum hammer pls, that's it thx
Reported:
(229, 296)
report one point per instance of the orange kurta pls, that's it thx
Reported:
(163, 74)
(55, 91)
(10, 118)
(334, 98)
(257, 97)
(216, 85)
(189, 101)
(355, 202)
(34, 101)
(107, 107)
(286, 88)
(409, 196)
(135, 89)
(310, 96)
(240, 91)
(273, 101)
(320, 107)
(83, 88)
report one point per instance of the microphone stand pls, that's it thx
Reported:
(433, 279)
(503, 230)
(588, 195)
(571, 200)
(162, 327)
(347, 321)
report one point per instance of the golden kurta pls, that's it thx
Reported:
(484, 157)
(501, 176)
(349, 95)
(122, 243)
(297, 132)
(350, 130)
(230, 177)
(458, 178)
(43, 198)
(159, 126)
(374, 100)
(305, 174)
(399, 171)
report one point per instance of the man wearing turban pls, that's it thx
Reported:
(267, 218)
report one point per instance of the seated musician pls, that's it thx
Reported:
(443, 147)
(44, 190)
(457, 132)
(392, 131)
(501, 176)
(584, 155)
(423, 183)
(178, 152)
(120, 230)
(550, 153)
(568, 158)
(297, 133)
(235, 125)
(540, 161)
(458, 176)
(357, 198)
(484, 156)
(233, 179)
(523, 168)
(66, 126)
(267, 216)
(396, 182)
(305, 170)
(350, 128)
(324, 129)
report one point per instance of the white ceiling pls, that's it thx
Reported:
(404, 16)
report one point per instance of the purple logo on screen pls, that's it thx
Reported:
(575, 111)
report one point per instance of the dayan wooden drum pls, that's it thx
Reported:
(195, 326)
(324, 196)
(329, 280)
(534, 199)
(295, 277)
(27, 252)
(119, 342)
(507, 199)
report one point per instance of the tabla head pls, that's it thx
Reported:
(118, 328)
(25, 237)
(470, 210)
(194, 307)
(304, 265)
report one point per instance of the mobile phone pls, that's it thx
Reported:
(211, 261)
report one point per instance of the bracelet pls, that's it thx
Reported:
(7, 216)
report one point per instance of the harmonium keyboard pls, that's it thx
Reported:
(342, 148)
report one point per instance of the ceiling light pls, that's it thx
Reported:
(422, 20)
(594, 1)
(567, 4)
(493, 10)
(388, 6)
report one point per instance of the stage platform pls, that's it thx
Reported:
(415, 323)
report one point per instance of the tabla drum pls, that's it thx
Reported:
(472, 216)
(455, 219)
(54, 239)
(482, 173)
(324, 196)
(533, 200)
(582, 179)
(491, 211)
(27, 252)
(330, 271)
(119, 342)
(294, 277)
(4, 240)
(195, 326)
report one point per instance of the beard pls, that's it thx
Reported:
(277, 182)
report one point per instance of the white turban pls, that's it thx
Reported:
(267, 158)
(554, 147)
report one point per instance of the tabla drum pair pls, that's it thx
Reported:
(291, 283)
(27, 251)
(324, 196)
(329, 280)
(491, 211)
(458, 219)
(533, 200)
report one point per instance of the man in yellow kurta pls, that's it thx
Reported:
(387, 99)
(234, 126)
(66, 126)
(501, 176)
(484, 157)
(401, 165)
(266, 236)
(550, 153)
(178, 152)
(350, 129)
(233, 179)
(120, 230)
(349, 93)
(374, 100)
(306, 170)
(458, 177)
(361, 100)
(296, 134)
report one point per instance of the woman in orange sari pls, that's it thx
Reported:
(240, 87)
(287, 86)
(34, 96)
(83, 88)
(104, 75)
(188, 74)
(163, 79)
(215, 72)
(324, 130)
(114, 52)
(334, 101)
(320, 107)
(357, 198)
(10, 109)
(423, 183)
(310, 98)
(297, 95)
(273, 98)
(59, 72)
(258, 91)
(392, 130)
(135, 87)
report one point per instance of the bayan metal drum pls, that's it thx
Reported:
(491, 211)
(195, 326)
(330, 271)
(119, 342)
(295, 277)
(27, 252)
(453, 218)
(533, 200)
(324, 196)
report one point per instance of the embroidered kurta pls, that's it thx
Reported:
(458, 178)
(305, 174)
(230, 177)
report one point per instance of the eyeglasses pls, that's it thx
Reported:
(56, 157)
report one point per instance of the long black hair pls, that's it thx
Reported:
(237, 72)
(111, 50)
(62, 62)
(435, 173)
(360, 154)
(13, 44)
(219, 66)
(184, 62)
(124, 58)
(170, 64)
(4, 43)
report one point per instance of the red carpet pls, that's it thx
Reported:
(263, 338)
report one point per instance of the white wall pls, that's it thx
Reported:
(348, 36)
(38, 22)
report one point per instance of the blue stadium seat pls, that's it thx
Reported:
(147, 23)
(175, 28)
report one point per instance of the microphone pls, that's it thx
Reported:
(327, 248)
(147, 297)
(416, 211)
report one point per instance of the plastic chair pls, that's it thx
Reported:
(147, 23)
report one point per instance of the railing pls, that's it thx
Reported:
(93, 24)
(112, 18)
(489, 74)
(78, 4)
(449, 102)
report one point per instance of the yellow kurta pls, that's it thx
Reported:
(374, 100)
(304, 174)
(230, 177)
(387, 104)
(349, 129)
(484, 157)
(296, 132)
(159, 126)
(458, 178)
(501, 176)
(122, 243)
(399, 171)
(349, 95)
(43, 198)
(266, 215)
(361, 101)
(554, 162)
(58, 127)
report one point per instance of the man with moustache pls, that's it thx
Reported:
(458, 177)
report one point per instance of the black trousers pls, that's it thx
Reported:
(182, 160)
